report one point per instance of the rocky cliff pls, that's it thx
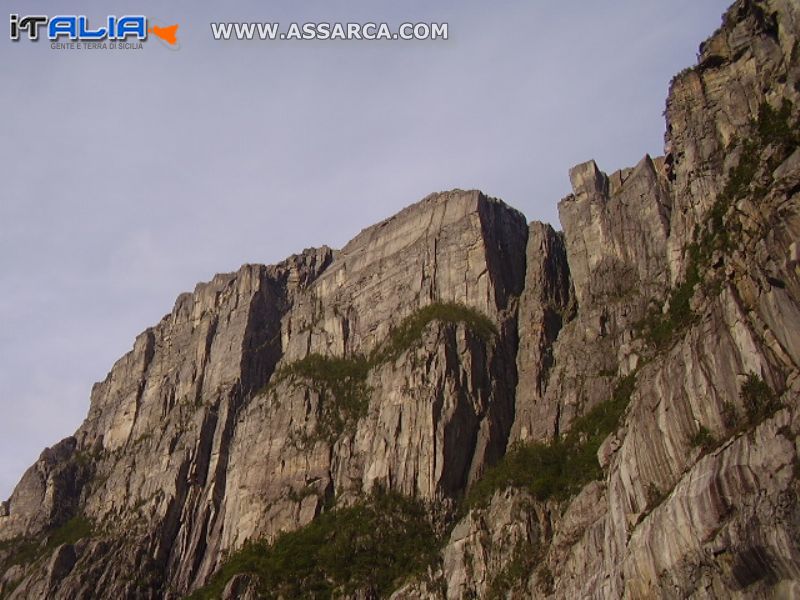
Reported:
(459, 404)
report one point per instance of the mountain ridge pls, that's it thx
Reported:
(631, 421)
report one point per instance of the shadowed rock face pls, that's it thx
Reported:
(699, 497)
(268, 394)
(189, 452)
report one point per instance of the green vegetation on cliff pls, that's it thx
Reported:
(20, 551)
(759, 400)
(370, 548)
(411, 329)
(341, 383)
(773, 138)
(561, 468)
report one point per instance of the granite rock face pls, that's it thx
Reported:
(699, 495)
(188, 450)
(546, 304)
(679, 277)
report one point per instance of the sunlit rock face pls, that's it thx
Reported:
(454, 333)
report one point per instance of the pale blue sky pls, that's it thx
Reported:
(128, 177)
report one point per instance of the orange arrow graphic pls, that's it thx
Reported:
(166, 33)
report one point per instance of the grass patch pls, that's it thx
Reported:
(373, 546)
(729, 417)
(411, 329)
(22, 551)
(759, 401)
(703, 439)
(741, 176)
(654, 497)
(341, 383)
(514, 572)
(559, 469)
(75, 529)
(28, 550)
(660, 328)
(546, 584)
(10, 587)
(771, 128)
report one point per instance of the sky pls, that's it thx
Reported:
(129, 176)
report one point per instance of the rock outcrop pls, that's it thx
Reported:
(190, 453)
(683, 291)
(610, 411)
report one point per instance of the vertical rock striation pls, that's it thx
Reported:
(434, 350)
(679, 281)
(190, 453)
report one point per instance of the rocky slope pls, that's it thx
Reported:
(464, 405)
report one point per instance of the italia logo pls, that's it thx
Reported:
(76, 28)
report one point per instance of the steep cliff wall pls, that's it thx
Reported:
(269, 393)
(606, 412)
(692, 294)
